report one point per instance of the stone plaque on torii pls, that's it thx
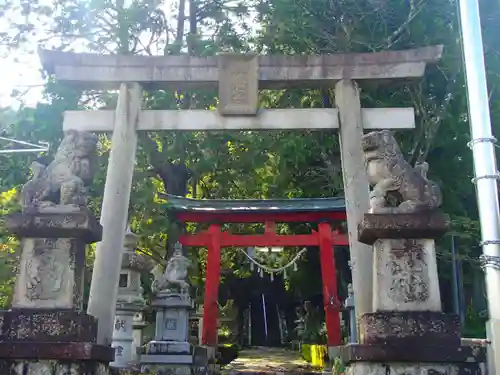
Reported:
(238, 77)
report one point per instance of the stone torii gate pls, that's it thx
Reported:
(238, 77)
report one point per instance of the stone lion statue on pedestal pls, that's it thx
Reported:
(390, 174)
(62, 182)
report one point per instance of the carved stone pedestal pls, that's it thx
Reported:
(405, 276)
(52, 257)
(46, 332)
(170, 352)
(171, 346)
(407, 333)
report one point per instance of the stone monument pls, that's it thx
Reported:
(170, 351)
(129, 303)
(406, 333)
(46, 330)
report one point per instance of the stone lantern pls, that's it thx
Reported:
(129, 303)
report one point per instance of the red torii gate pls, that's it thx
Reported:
(323, 211)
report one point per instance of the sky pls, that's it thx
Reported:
(21, 70)
(20, 73)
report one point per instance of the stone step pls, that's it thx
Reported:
(243, 372)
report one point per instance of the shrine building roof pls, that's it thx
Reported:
(248, 210)
(175, 203)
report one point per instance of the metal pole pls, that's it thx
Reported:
(264, 312)
(482, 145)
(461, 296)
(454, 276)
(250, 324)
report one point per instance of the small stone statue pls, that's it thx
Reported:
(174, 277)
(390, 174)
(62, 183)
(300, 322)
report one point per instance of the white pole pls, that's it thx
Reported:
(486, 174)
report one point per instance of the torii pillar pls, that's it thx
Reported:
(249, 72)
(356, 190)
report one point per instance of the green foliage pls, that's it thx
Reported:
(475, 325)
(8, 249)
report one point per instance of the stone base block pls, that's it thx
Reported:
(55, 222)
(354, 353)
(170, 299)
(201, 356)
(167, 359)
(42, 367)
(430, 225)
(168, 353)
(169, 347)
(172, 317)
(410, 328)
(363, 368)
(47, 325)
(164, 369)
(55, 351)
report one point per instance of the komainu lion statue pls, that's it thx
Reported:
(390, 174)
(63, 181)
(174, 278)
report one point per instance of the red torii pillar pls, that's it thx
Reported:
(210, 307)
(329, 278)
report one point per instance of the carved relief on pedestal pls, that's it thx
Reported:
(405, 277)
(46, 274)
(45, 269)
(409, 272)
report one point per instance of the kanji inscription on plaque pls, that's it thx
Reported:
(238, 84)
(408, 268)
